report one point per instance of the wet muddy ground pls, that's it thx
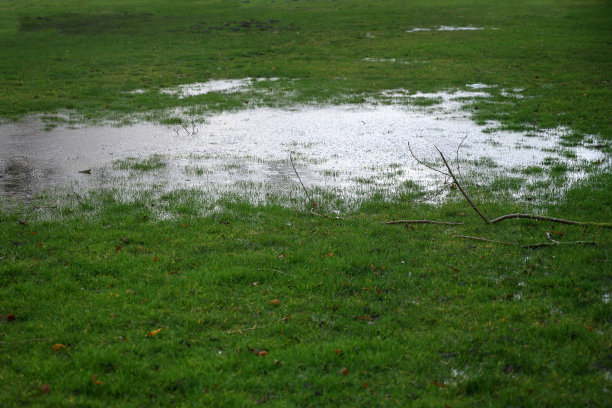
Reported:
(350, 150)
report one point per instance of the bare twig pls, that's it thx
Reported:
(422, 222)
(312, 203)
(314, 209)
(78, 197)
(256, 327)
(467, 197)
(557, 243)
(432, 195)
(422, 163)
(273, 270)
(551, 219)
(530, 246)
(194, 130)
(507, 216)
(457, 157)
(486, 240)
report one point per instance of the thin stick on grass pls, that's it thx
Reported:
(486, 240)
(529, 246)
(256, 327)
(422, 222)
(273, 270)
(551, 219)
(557, 243)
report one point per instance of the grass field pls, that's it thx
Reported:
(104, 302)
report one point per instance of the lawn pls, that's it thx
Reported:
(180, 300)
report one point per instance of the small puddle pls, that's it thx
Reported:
(218, 85)
(352, 151)
(444, 28)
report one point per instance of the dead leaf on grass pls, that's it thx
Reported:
(58, 346)
(94, 379)
(153, 333)
(259, 353)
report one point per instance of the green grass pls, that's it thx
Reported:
(421, 317)
(153, 162)
(87, 57)
(364, 314)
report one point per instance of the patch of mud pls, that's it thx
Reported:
(216, 85)
(349, 151)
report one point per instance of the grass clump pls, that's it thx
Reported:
(153, 162)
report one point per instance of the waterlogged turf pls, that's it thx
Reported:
(353, 151)
(143, 295)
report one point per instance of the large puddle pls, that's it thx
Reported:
(349, 150)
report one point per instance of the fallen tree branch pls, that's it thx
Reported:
(485, 240)
(557, 243)
(457, 156)
(433, 194)
(422, 163)
(467, 197)
(512, 216)
(529, 246)
(422, 222)
(551, 219)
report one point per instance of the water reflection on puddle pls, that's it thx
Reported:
(351, 150)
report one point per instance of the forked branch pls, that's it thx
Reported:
(503, 217)
(467, 197)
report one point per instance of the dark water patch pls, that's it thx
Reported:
(249, 25)
(76, 23)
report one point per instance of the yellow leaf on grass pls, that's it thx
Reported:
(57, 347)
(153, 333)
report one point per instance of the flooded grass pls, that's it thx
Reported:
(255, 145)
(153, 162)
